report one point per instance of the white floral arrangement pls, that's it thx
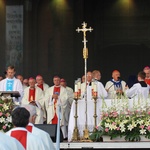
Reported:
(128, 118)
(6, 106)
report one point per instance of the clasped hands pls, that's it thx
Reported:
(55, 96)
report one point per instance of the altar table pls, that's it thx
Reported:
(81, 120)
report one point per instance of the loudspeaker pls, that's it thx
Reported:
(51, 129)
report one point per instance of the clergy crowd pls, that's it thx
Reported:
(39, 103)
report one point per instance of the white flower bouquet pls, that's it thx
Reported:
(122, 120)
(6, 106)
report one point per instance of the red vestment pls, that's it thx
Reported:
(29, 128)
(40, 86)
(31, 94)
(21, 136)
(147, 81)
(55, 119)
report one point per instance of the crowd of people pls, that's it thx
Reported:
(39, 103)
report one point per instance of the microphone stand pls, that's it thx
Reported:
(58, 128)
(110, 86)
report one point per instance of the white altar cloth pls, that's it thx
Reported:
(81, 120)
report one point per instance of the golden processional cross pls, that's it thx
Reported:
(85, 56)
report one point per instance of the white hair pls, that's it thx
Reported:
(30, 108)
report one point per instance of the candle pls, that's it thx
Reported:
(95, 87)
(92, 85)
(79, 85)
(31, 98)
(76, 88)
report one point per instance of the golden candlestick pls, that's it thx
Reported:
(76, 131)
(95, 110)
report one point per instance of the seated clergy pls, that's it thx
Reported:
(20, 119)
(34, 95)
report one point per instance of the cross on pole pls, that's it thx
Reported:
(84, 30)
(85, 56)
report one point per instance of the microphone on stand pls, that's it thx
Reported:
(118, 78)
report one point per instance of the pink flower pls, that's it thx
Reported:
(1, 113)
(118, 128)
(115, 114)
(4, 127)
(101, 117)
(148, 128)
(106, 129)
(149, 113)
(114, 123)
(128, 112)
(136, 111)
(106, 114)
(142, 126)
(7, 114)
(122, 113)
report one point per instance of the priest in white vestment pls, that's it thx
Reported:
(13, 144)
(88, 87)
(115, 86)
(20, 77)
(69, 100)
(41, 84)
(12, 84)
(20, 119)
(34, 95)
(56, 96)
(101, 92)
(44, 136)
